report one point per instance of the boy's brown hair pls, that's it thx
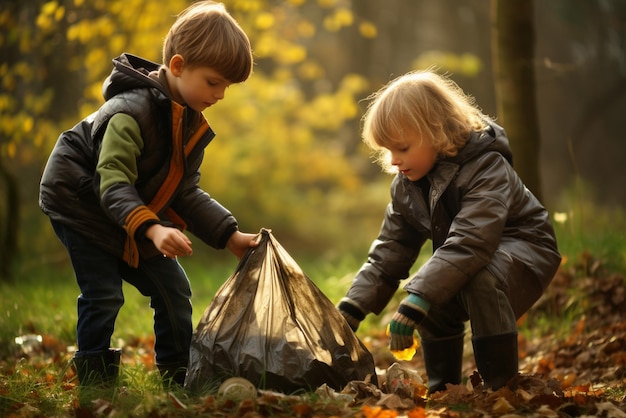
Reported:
(206, 35)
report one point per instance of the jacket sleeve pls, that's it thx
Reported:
(475, 232)
(121, 146)
(117, 172)
(389, 261)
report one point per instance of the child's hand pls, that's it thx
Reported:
(170, 242)
(239, 242)
(352, 312)
(411, 312)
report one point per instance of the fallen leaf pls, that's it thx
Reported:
(610, 410)
(378, 412)
(393, 401)
(502, 406)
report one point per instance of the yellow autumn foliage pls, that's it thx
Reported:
(286, 153)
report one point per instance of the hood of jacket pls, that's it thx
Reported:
(131, 72)
(493, 138)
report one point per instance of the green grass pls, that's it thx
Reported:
(43, 303)
(584, 226)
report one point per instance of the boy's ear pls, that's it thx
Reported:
(177, 63)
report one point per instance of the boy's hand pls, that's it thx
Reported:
(239, 242)
(169, 241)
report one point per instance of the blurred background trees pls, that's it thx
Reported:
(288, 154)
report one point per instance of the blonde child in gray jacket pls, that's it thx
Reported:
(494, 249)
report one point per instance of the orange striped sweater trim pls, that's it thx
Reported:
(142, 214)
(193, 141)
(134, 220)
(177, 165)
(171, 214)
(177, 160)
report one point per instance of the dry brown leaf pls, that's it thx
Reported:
(502, 406)
(610, 410)
(393, 401)
(378, 412)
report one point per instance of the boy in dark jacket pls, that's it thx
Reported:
(494, 247)
(122, 185)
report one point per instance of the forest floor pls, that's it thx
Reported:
(578, 371)
(572, 352)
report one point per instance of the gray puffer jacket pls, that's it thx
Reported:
(478, 214)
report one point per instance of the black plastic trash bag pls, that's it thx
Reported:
(269, 323)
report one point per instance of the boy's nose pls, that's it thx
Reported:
(219, 94)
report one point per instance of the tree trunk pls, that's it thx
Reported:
(513, 55)
(8, 222)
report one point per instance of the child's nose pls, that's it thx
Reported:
(219, 94)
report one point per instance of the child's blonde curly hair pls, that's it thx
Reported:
(424, 103)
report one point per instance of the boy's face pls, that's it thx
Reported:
(197, 87)
(413, 157)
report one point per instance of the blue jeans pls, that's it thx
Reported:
(99, 276)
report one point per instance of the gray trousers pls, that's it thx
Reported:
(490, 305)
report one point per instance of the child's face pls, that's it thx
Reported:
(413, 157)
(198, 87)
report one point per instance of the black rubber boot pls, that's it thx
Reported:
(97, 374)
(496, 358)
(173, 375)
(98, 368)
(443, 359)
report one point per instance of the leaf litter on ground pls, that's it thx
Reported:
(582, 374)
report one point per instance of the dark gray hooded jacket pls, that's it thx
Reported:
(478, 214)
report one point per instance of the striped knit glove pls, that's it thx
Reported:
(352, 312)
(411, 312)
